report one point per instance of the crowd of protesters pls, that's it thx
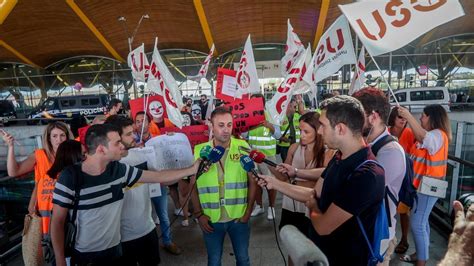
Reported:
(331, 177)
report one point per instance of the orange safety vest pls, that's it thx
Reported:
(433, 166)
(45, 187)
(407, 139)
(155, 130)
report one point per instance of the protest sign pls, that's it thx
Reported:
(247, 113)
(226, 84)
(171, 151)
(196, 134)
(156, 106)
(143, 158)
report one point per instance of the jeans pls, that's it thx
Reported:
(239, 234)
(161, 208)
(420, 227)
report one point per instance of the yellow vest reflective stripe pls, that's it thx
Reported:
(296, 123)
(235, 184)
(433, 166)
(261, 139)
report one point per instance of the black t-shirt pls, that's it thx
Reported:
(358, 192)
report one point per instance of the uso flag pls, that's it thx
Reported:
(384, 26)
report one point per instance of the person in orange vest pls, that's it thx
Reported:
(398, 127)
(430, 157)
(40, 161)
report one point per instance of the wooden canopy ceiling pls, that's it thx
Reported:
(41, 33)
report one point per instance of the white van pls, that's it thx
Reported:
(415, 99)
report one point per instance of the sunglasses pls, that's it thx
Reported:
(400, 117)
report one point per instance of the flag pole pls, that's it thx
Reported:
(383, 78)
(145, 102)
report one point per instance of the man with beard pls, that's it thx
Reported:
(390, 155)
(223, 197)
(138, 232)
(100, 188)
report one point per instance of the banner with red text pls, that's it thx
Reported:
(247, 79)
(276, 107)
(165, 84)
(247, 113)
(334, 50)
(205, 66)
(138, 62)
(294, 48)
(384, 25)
(358, 81)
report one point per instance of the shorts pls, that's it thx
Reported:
(144, 250)
(403, 208)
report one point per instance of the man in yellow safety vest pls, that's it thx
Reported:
(224, 195)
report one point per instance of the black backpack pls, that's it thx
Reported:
(407, 193)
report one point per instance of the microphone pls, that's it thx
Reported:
(249, 166)
(259, 157)
(204, 155)
(209, 155)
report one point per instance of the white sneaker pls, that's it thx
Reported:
(178, 212)
(271, 213)
(257, 210)
(185, 223)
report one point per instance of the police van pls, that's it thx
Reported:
(68, 107)
(7, 112)
(415, 99)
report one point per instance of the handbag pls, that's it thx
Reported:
(31, 240)
(70, 229)
(433, 187)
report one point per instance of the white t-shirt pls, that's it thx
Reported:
(136, 220)
(392, 158)
(433, 141)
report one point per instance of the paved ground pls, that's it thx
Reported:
(263, 248)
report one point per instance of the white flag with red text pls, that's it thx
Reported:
(384, 25)
(294, 48)
(303, 86)
(277, 106)
(138, 62)
(358, 81)
(205, 66)
(247, 79)
(163, 83)
(334, 50)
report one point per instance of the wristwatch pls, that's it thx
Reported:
(296, 172)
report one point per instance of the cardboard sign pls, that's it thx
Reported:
(226, 86)
(172, 152)
(196, 134)
(247, 113)
(156, 106)
(137, 157)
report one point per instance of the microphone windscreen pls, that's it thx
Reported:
(216, 154)
(247, 163)
(205, 151)
(257, 156)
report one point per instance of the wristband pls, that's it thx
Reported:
(296, 172)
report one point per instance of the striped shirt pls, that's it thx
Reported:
(100, 204)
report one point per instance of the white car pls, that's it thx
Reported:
(415, 99)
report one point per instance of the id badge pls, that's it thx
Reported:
(222, 202)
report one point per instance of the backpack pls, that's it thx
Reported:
(407, 193)
(380, 228)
